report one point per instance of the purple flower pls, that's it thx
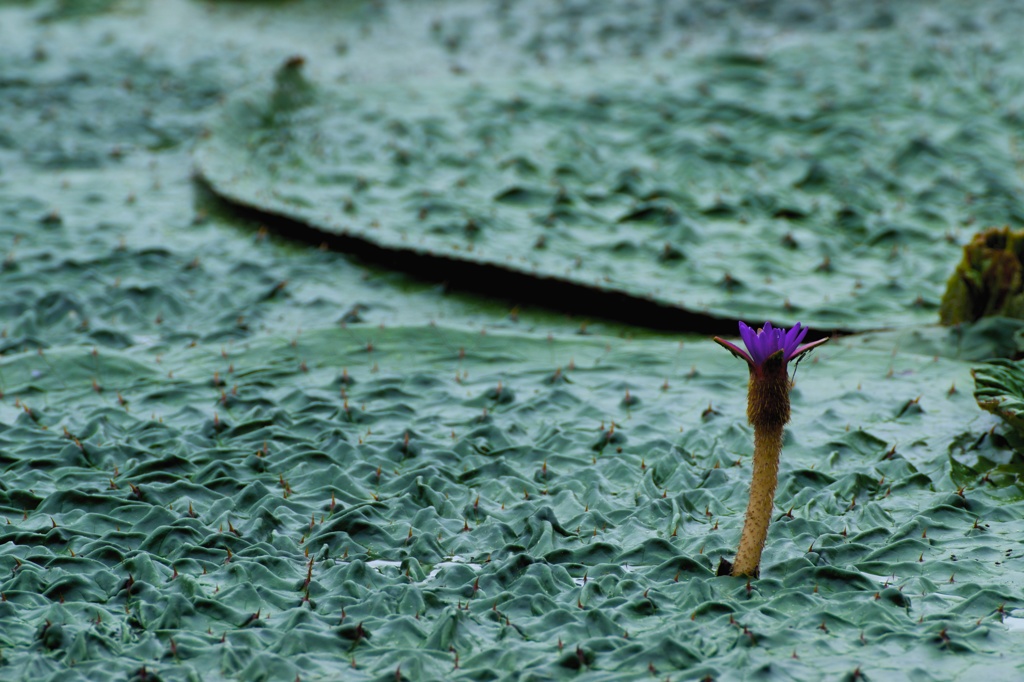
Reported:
(767, 341)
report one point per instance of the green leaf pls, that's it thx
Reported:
(999, 389)
(701, 201)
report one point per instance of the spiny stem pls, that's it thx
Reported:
(767, 448)
(768, 412)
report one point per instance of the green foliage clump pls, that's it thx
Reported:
(999, 389)
(988, 280)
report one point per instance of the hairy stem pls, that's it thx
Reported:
(768, 413)
(767, 448)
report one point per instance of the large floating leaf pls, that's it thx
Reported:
(145, 538)
(406, 495)
(810, 182)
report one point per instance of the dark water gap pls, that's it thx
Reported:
(498, 283)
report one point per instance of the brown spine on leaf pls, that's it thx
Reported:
(768, 413)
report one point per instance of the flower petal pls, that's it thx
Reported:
(808, 346)
(793, 338)
(753, 341)
(800, 336)
(748, 335)
(768, 338)
(767, 341)
(734, 349)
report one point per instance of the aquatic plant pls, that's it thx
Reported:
(988, 281)
(768, 353)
